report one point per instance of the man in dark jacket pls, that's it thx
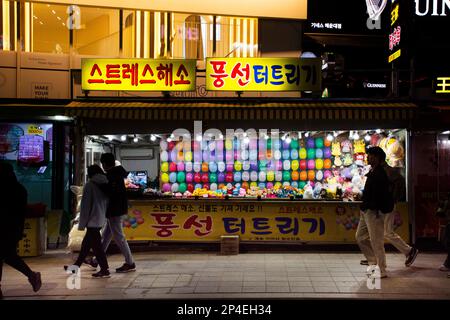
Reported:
(117, 208)
(13, 199)
(377, 201)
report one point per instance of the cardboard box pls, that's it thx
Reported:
(229, 245)
(33, 243)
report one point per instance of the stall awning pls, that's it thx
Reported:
(247, 111)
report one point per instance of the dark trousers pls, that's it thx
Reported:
(8, 254)
(92, 240)
(447, 244)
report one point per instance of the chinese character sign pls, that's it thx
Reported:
(263, 74)
(138, 74)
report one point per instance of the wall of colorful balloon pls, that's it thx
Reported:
(299, 165)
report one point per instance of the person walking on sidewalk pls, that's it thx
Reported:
(443, 212)
(13, 199)
(94, 204)
(377, 201)
(398, 188)
(117, 209)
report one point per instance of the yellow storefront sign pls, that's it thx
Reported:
(35, 129)
(252, 221)
(138, 74)
(395, 55)
(263, 74)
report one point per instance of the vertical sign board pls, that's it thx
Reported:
(395, 33)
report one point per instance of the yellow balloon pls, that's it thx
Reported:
(319, 164)
(295, 165)
(277, 185)
(302, 153)
(165, 178)
(165, 167)
(238, 166)
(253, 184)
(188, 156)
(270, 176)
(228, 145)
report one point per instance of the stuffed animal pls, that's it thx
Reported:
(348, 159)
(395, 153)
(360, 152)
(336, 149)
(76, 236)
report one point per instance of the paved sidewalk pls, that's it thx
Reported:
(169, 275)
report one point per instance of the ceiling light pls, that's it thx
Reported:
(367, 137)
(152, 137)
(330, 137)
(123, 138)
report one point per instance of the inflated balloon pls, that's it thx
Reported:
(294, 144)
(303, 164)
(221, 177)
(262, 155)
(277, 185)
(286, 184)
(286, 154)
(190, 187)
(303, 175)
(244, 154)
(237, 177)
(228, 145)
(197, 156)
(180, 166)
(262, 165)
(253, 145)
(198, 186)
(327, 153)
(173, 155)
(237, 154)
(164, 156)
(180, 156)
(294, 184)
(165, 167)
(206, 186)
(212, 145)
(286, 165)
(295, 165)
(205, 178)
(294, 154)
(237, 166)
(219, 145)
(182, 188)
(319, 175)
(327, 174)
(237, 144)
(270, 176)
(269, 185)
(188, 156)
(253, 176)
(212, 167)
(319, 153)
(311, 153)
(181, 177)
(311, 175)
(253, 184)
(229, 177)
(229, 156)
(278, 165)
(221, 166)
(278, 176)
(327, 164)
(205, 167)
(204, 145)
(245, 185)
(327, 143)
(303, 153)
(319, 142)
(295, 175)
(276, 144)
(245, 176)
(163, 145)
(213, 187)
(246, 166)
(310, 143)
(311, 164)
(212, 177)
(253, 165)
(277, 154)
(164, 178)
(166, 187)
(261, 185)
(173, 177)
(230, 167)
(286, 176)
(172, 167)
(319, 164)
(197, 167)
(269, 144)
(212, 156)
(301, 184)
(269, 154)
(197, 178)
(205, 155)
(286, 144)
(262, 176)
(188, 167)
(174, 187)
(253, 155)
(270, 165)
(189, 177)
(171, 145)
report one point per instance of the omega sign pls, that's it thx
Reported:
(432, 7)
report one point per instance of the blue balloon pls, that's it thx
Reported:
(285, 155)
(294, 154)
(212, 166)
(261, 185)
(198, 186)
(319, 153)
(173, 177)
(276, 144)
(237, 176)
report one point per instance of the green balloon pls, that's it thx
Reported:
(301, 184)
(262, 165)
(181, 177)
(269, 144)
(286, 176)
(311, 153)
(294, 144)
(319, 143)
(212, 177)
(182, 187)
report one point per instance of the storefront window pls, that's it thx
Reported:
(48, 31)
(8, 25)
(98, 33)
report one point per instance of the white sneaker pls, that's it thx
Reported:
(444, 268)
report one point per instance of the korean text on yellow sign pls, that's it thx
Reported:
(263, 74)
(138, 74)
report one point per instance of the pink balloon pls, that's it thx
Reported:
(311, 164)
(327, 174)
(166, 187)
